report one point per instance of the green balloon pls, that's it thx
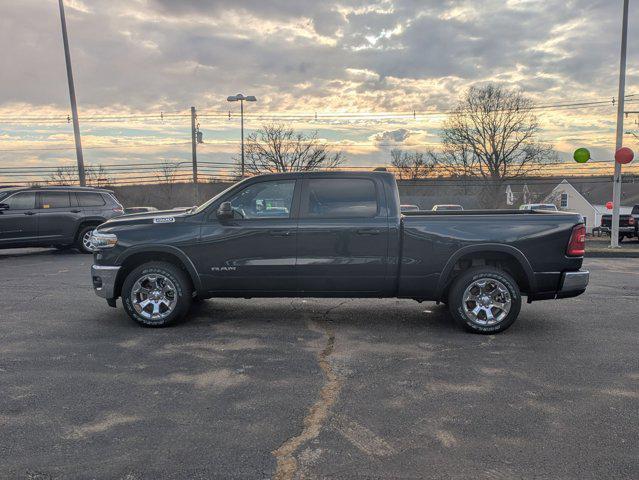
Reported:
(581, 155)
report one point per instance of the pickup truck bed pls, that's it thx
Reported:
(337, 234)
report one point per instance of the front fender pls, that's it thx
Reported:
(166, 249)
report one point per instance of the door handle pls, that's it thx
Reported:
(369, 231)
(29, 213)
(281, 233)
(76, 211)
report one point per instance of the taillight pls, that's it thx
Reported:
(631, 221)
(118, 210)
(577, 244)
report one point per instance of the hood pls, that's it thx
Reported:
(160, 217)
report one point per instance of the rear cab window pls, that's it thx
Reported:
(339, 198)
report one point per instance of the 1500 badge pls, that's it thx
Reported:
(164, 220)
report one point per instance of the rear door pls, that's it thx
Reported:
(59, 217)
(343, 236)
(19, 223)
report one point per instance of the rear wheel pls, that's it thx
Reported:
(157, 294)
(484, 300)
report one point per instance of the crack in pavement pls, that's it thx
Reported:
(287, 464)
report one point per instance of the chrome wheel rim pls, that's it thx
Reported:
(487, 301)
(86, 241)
(154, 297)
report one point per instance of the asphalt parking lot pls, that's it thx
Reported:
(313, 388)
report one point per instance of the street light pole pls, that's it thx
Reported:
(240, 98)
(616, 186)
(74, 107)
(242, 132)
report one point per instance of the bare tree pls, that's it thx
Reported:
(166, 178)
(95, 176)
(412, 165)
(492, 134)
(277, 148)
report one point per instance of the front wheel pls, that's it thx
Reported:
(157, 294)
(484, 300)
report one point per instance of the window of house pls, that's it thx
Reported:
(564, 200)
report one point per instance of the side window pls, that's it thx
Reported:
(340, 198)
(54, 200)
(86, 199)
(21, 201)
(264, 200)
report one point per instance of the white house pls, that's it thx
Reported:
(591, 204)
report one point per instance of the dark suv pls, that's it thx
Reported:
(54, 216)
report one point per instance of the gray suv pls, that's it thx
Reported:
(54, 216)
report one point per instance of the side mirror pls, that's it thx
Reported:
(225, 210)
(4, 206)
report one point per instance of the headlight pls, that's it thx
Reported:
(103, 240)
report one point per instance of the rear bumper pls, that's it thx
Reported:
(573, 283)
(103, 278)
(570, 284)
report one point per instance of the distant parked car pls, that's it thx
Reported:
(409, 208)
(628, 224)
(539, 206)
(54, 216)
(451, 208)
(131, 210)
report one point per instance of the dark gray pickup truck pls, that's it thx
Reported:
(337, 234)
(628, 224)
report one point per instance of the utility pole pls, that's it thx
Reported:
(74, 107)
(616, 186)
(194, 154)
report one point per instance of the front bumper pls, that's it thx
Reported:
(104, 277)
(573, 283)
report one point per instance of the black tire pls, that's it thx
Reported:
(79, 243)
(183, 292)
(621, 237)
(466, 279)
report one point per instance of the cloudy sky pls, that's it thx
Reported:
(380, 60)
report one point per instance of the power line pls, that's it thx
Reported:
(287, 114)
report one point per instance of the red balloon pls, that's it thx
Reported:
(609, 205)
(624, 155)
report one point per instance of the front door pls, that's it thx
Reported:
(254, 252)
(342, 237)
(19, 220)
